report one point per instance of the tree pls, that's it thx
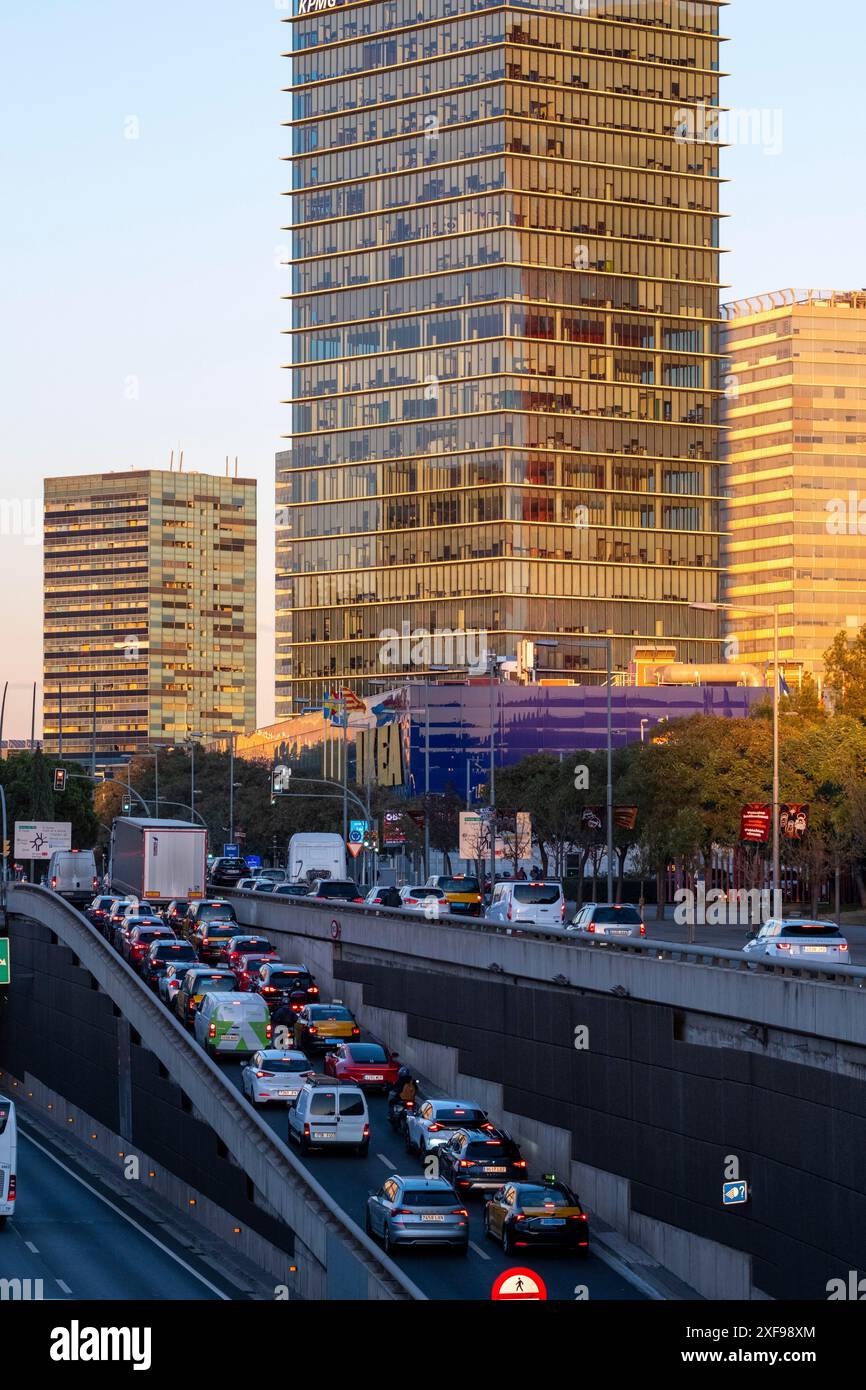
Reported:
(845, 673)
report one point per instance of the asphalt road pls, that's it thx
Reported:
(86, 1245)
(733, 938)
(440, 1273)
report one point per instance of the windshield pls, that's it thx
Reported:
(286, 1064)
(546, 1197)
(367, 1052)
(330, 1011)
(220, 933)
(414, 1197)
(458, 1117)
(811, 929)
(494, 1150)
(537, 892)
(459, 885)
(213, 984)
(332, 888)
(289, 979)
(216, 912)
(170, 950)
(615, 914)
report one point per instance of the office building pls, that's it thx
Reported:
(795, 472)
(504, 335)
(150, 610)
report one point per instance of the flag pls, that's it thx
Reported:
(783, 685)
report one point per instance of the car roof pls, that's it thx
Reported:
(413, 1184)
(458, 1104)
(287, 1053)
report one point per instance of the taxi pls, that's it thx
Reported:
(198, 981)
(462, 891)
(319, 1027)
(537, 1213)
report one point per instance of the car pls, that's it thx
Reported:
(226, 1021)
(72, 874)
(368, 1064)
(538, 902)
(264, 885)
(275, 1076)
(208, 910)
(210, 938)
(329, 1114)
(462, 891)
(417, 1211)
(170, 982)
(197, 980)
(275, 875)
(420, 899)
(248, 965)
(225, 872)
(115, 915)
(292, 890)
(608, 919)
(384, 895)
(536, 1213)
(128, 925)
(248, 884)
(163, 953)
(140, 937)
(279, 983)
(431, 1123)
(479, 1160)
(175, 914)
(324, 889)
(99, 912)
(319, 1027)
(237, 946)
(799, 938)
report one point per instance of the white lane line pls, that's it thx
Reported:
(31, 1247)
(388, 1162)
(64, 1287)
(149, 1236)
(477, 1248)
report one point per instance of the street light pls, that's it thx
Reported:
(189, 742)
(774, 609)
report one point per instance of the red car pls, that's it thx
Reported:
(365, 1063)
(247, 968)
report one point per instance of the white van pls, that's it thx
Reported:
(8, 1160)
(539, 903)
(330, 1114)
(233, 1022)
(72, 874)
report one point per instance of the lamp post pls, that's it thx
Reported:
(190, 740)
(772, 608)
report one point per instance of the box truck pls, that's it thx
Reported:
(316, 855)
(157, 860)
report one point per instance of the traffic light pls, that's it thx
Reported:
(126, 805)
(60, 779)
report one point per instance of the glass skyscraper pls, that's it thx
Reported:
(504, 339)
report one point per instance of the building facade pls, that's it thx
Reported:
(796, 464)
(505, 314)
(149, 610)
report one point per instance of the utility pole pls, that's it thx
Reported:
(33, 722)
(491, 669)
(776, 882)
(345, 705)
(427, 787)
(93, 739)
(609, 770)
(59, 720)
(192, 778)
(231, 788)
(3, 715)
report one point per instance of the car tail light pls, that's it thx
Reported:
(53, 882)
(562, 911)
(642, 929)
(366, 1131)
(460, 1211)
(843, 945)
(306, 1131)
(95, 881)
(314, 989)
(262, 1075)
(583, 1216)
(508, 914)
(212, 1031)
(783, 945)
(412, 900)
(356, 1032)
(520, 1163)
(466, 1162)
(434, 1129)
(404, 1211)
(12, 1185)
(519, 1216)
(268, 1031)
(312, 1028)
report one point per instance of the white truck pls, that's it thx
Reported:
(157, 860)
(316, 855)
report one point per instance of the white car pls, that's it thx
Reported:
(420, 898)
(433, 1122)
(608, 919)
(799, 938)
(170, 981)
(536, 902)
(275, 1075)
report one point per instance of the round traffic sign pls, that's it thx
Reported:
(519, 1286)
(335, 929)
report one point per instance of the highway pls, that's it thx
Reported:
(86, 1244)
(440, 1273)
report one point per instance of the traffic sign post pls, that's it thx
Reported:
(519, 1286)
(231, 852)
(5, 961)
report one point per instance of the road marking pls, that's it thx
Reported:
(31, 1247)
(64, 1287)
(120, 1212)
(477, 1248)
(388, 1162)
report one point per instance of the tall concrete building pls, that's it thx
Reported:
(504, 337)
(795, 508)
(150, 609)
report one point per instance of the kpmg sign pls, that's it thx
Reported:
(314, 6)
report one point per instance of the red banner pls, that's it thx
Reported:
(755, 823)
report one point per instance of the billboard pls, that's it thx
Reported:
(793, 820)
(38, 839)
(513, 837)
(755, 823)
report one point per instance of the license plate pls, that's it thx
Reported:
(371, 1077)
(551, 1221)
(496, 1170)
(230, 1037)
(287, 1093)
(432, 1218)
(617, 931)
(819, 950)
(325, 1134)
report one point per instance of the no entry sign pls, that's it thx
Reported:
(519, 1285)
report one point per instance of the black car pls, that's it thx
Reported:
(224, 873)
(477, 1160)
(537, 1213)
(279, 983)
(99, 911)
(162, 954)
(342, 888)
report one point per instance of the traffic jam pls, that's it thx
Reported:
(308, 1057)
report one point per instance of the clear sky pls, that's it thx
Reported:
(141, 287)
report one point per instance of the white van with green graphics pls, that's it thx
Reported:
(233, 1022)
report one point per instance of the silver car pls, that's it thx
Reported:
(417, 1211)
(607, 920)
(170, 980)
(433, 1122)
(799, 938)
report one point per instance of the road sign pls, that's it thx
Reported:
(281, 780)
(394, 830)
(519, 1286)
(734, 1193)
(38, 839)
(231, 852)
(5, 961)
(357, 831)
(354, 848)
(254, 861)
